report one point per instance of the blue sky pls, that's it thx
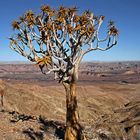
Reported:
(125, 13)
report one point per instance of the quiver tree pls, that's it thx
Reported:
(57, 40)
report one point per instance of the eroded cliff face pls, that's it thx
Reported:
(89, 72)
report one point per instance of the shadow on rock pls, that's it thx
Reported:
(47, 127)
(54, 127)
(33, 135)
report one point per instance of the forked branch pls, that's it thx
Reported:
(57, 40)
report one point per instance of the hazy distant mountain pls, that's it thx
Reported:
(15, 62)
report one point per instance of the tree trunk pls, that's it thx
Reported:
(73, 128)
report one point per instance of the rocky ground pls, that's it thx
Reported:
(108, 100)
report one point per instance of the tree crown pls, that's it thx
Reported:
(55, 39)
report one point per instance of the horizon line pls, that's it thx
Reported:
(90, 61)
